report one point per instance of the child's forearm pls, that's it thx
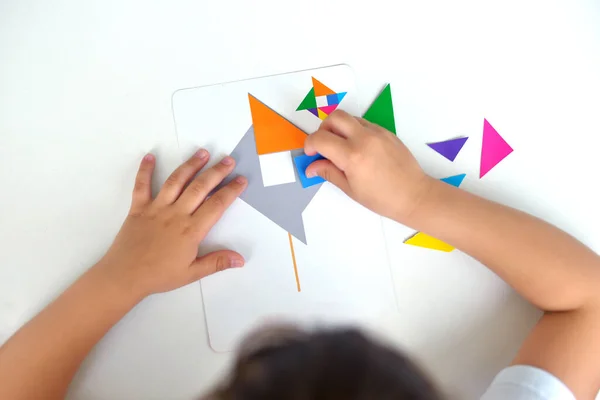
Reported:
(545, 265)
(39, 361)
(155, 251)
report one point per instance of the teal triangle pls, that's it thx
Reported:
(455, 180)
(381, 111)
(340, 96)
(310, 101)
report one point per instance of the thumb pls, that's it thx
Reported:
(215, 262)
(328, 171)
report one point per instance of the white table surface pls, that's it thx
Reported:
(85, 91)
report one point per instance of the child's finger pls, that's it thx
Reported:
(212, 210)
(328, 171)
(175, 183)
(204, 183)
(364, 122)
(330, 145)
(341, 123)
(215, 262)
(142, 190)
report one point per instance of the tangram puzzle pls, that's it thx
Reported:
(493, 150)
(320, 100)
(271, 133)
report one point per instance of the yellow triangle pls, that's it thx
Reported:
(322, 115)
(429, 242)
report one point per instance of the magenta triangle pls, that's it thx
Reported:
(493, 149)
(449, 148)
(328, 109)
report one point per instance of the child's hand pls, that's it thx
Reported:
(369, 164)
(156, 249)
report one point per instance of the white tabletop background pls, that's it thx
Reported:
(85, 91)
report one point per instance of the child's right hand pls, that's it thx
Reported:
(369, 164)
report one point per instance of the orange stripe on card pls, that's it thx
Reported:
(294, 261)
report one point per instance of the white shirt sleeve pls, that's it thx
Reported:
(521, 382)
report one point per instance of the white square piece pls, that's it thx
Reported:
(322, 101)
(277, 168)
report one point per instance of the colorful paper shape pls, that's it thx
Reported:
(381, 111)
(322, 98)
(282, 204)
(321, 101)
(320, 89)
(455, 180)
(449, 148)
(272, 132)
(277, 168)
(421, 239)
(332, 99)
(314, 111)
(310, 101)
(493, 149)
(328, 109)
(302, 162)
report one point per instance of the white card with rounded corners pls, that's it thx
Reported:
(326, 266)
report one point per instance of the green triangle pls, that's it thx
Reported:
(381, 111)
(310, 101)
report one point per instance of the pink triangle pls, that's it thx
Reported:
(328, 109)
(493, 149)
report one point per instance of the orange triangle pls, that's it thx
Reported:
(272, 132)
(320, 89)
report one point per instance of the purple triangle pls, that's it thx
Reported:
(449, 148)
(314, 111)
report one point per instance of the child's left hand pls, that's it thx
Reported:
(156, 249)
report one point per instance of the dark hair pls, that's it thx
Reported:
(336, 365)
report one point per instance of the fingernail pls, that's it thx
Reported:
(201, 154)
(241, 180)
(311, 174)
(149, 157)
(227, 161)
(236, 262)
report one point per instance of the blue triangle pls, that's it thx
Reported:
(455, 180)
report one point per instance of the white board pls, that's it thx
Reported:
(343, 272)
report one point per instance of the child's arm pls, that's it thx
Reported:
(545, 265)
(549, 268)
(155, 251)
